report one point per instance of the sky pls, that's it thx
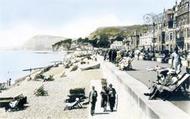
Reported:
(22, 19)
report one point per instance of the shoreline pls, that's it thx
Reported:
(51, 106)
(23, 78)
(24, 60)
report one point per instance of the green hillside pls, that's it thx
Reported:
(124, 31)
(104, 36)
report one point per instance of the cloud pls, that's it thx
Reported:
(84, 26)
(16, 35)
(73, 18)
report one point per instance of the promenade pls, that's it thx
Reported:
(121, 110)
(141, 74)
(132, 104)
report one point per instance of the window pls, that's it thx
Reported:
(167, 37)
(171, 36)
(188, 32)
(188, 46)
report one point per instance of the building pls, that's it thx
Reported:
(167, 31)
(183, 24)
(145, 40)
(133, 41)
(117, 45)
(173, 27)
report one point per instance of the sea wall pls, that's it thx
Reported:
(141, 106)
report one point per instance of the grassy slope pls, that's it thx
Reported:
(119, 30)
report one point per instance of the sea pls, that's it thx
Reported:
(12, 63)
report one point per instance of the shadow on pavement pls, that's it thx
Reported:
(132, 70)
(100, 113)
(179, 96)
(18, 110)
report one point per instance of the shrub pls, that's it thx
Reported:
(47, 69)
(38, 76)
(50, 78)
(40, 91)
(67, 66)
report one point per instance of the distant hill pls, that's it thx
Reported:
(119, 30)
(42, 42)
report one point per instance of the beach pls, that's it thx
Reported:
(51, 106)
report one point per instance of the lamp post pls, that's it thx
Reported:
(153, 39)
(152, 20)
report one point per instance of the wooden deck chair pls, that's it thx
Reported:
(176, 85)
(16, 104)
(72, 105)
(159, 89)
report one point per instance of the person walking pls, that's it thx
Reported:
(105, 55)
(138, 54)
(92, 99)
(176, 60)
(9, 81)
(112, 97)
(104, 99)
(114, 55)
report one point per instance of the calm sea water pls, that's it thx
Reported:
(13, 62)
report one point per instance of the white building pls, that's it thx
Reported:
(146, 40)
(117, 45)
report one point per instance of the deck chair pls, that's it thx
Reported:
(72, 105)
(169, 89)
(125, 64)
(175, 86)
(16, 104)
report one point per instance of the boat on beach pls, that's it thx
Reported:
(92, 65)
(5, 101)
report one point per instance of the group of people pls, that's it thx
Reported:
(169, 77)
(112, 55)
(108, 96)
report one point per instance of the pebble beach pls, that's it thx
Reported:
(51, 106)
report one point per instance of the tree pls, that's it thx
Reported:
(103, 43)
(93, 42)
(119, 38)
(63, 43)
(81, 40)
(67, 43)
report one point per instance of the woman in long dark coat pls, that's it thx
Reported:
(110, 55)
(104, 95)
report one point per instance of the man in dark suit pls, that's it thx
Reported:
(92, 99)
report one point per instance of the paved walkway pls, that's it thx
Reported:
(123, 107)
(128, 107)
(141, 74)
